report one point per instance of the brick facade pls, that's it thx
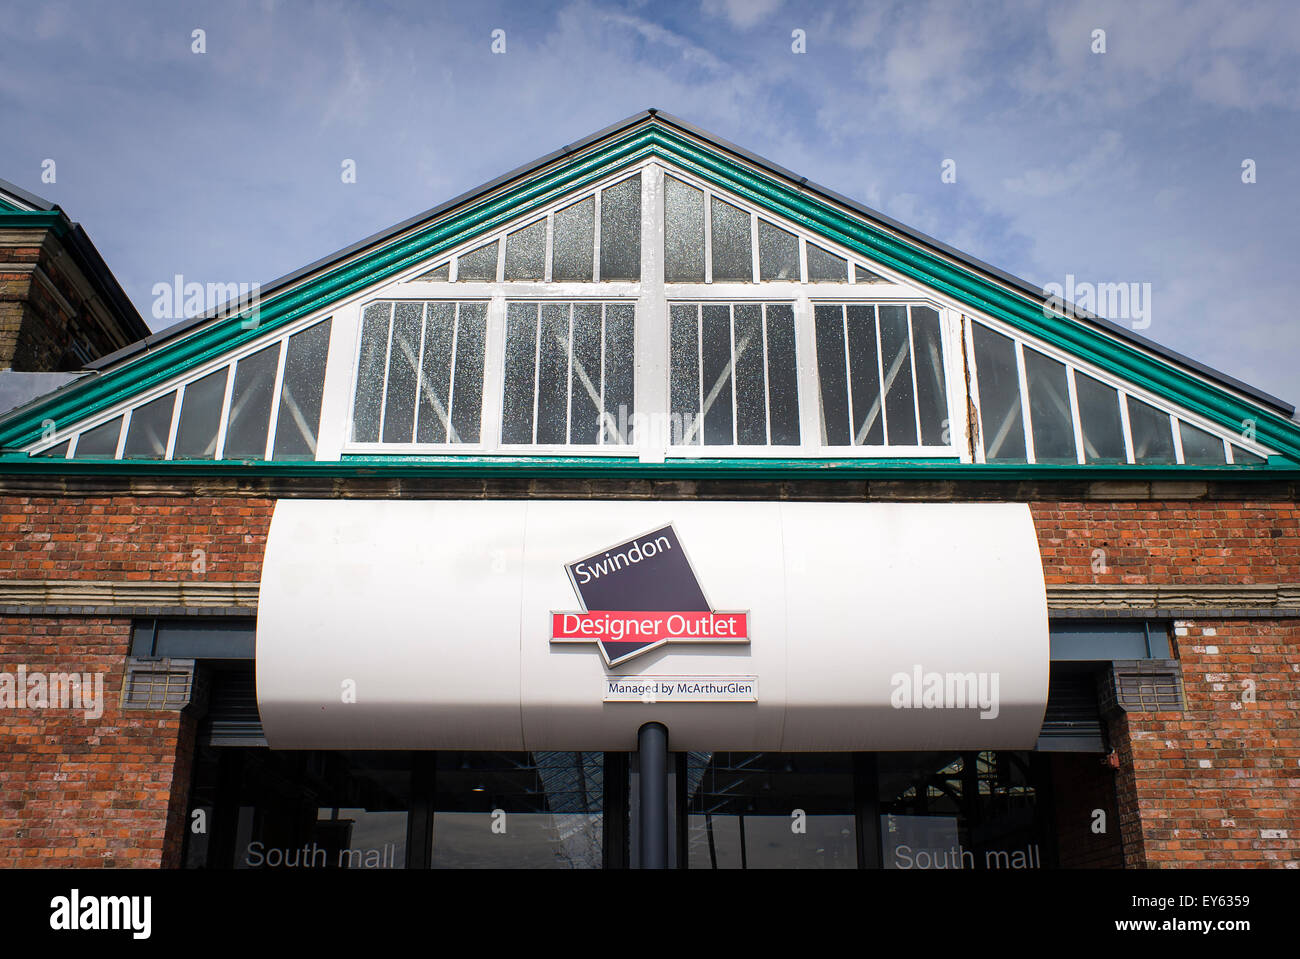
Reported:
(56, 313)
(1217, 784)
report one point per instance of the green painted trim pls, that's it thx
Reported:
(600, 467)
(175, 358)
(26, 219)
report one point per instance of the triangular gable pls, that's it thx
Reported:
(873, 245)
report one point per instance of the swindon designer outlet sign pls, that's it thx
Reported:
(639, 595)
(681, 689)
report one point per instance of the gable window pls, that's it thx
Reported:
(1037, 408)
(881, 375)
(568, 374)
(420, 373)
(263, 403)
(732, 375)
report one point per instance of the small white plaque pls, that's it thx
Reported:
(680, 689)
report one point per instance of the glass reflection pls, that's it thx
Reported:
(770, 811)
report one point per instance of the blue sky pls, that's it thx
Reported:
(1122, 166)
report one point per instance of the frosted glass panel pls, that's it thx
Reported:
(931, 388)
(824, 266)
(778, 253)
(732, 250)
(526, 253)
(370, 372)
(683, 232)
(574, 242)
(620, 230)
(480, 264)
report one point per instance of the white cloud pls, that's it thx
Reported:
(744, 14)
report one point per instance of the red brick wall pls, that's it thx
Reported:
(79, 791)
(1214, 784)
(1174, 542)
(1171, 809)
(133, 538)
(1081, 785)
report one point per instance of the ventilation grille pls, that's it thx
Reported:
(158, 683)
(1145, 686)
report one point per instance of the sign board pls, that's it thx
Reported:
(498, 624)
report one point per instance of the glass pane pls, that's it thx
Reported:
(57, 451)
(1049, 409)
(196, 433)
(683, 232)
(574, 242)
(620, 368)
(526, 253)
(520, 373)
(370, 373)
(862, 275)
(250, 405)
(732, 251)
(1199, 447)
(751, 386)
(782, 386)
(826, 266)
(716, 363)
(300, 396)
(961, 810)
(467, 390)
(146, 438)
(999, 392)
(896, 359)
(778, 253)
(438, 273)
(620, 230)
(1239, 456)
(832, 374)
(864, 377)
(552, 804)
(1103, 435)
(931, 391)
(480, 264)
(1153, 441)
(738, 811)
(434, 404)
(684, 379)
(553, 375)
(101, 441)
(584, 388)
(403, 361)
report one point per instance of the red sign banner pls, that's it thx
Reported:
(648, 626)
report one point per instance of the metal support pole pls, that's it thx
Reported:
(652, 754)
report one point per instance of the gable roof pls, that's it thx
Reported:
(1126, 354)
